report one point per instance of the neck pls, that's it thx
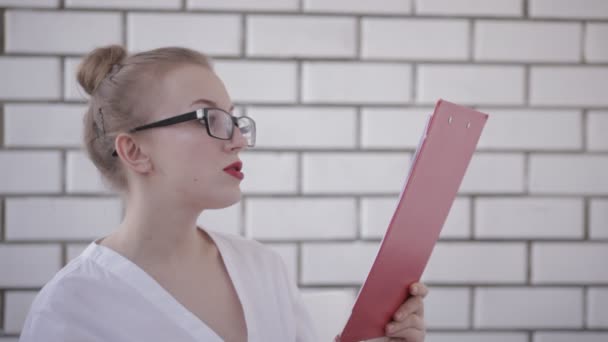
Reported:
(158, 231)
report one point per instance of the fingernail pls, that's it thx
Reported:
(390, 328)
(414, 289)
(400, 316)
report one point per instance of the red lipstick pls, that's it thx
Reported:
(234, 170)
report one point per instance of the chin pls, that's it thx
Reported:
(224, 200)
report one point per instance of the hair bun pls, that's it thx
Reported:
(98, 64)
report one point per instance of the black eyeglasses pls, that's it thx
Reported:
(219, 123)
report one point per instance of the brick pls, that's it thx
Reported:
(18, 74)
(468, 84)
(143, 4)
(61, 218)
(475, 8)
(82, 175)
(354, 173)
(598, 219)
(243, 80)
(330, 309)
(527, 308)
(569, 263)
(525, 129)
(356, 82)
(590, 9)
(53, 32)
(376, 214)
(597, 126)
(301, 36)
(345, 263)
(25, 172)
(358, 6)
(478, 262)
(40, 261)
(442, 39)
(561, 86)
(269, 172)
(43, 125)
(16, 307)
(393, 127)
(307, 218)
(578, 174)
(75, 249)
(291, 127)
(289, 254)
(435, 304)
(597, 308)
(72, 90)
(30, 3)
(217, 34)
(225, 220)
(570, 336)
(528, 41)
(529, 218)
(494, 173)
(596, 49)
(433, 336)
(244, 5)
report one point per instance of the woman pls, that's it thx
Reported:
(160, 130)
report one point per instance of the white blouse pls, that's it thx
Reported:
(103, 296)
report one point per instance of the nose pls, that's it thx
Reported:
(238, 141)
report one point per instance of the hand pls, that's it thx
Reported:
(408, 324)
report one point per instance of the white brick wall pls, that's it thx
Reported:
(589, 9)
(301, 36)
(530, 42)
(61, 218)
(495, 8)
(468, 84)
(341, 91)
(28, 265)
(331, 82)
(215, 34)
(41, 125)
(529, 218)
(578, 174)
(596, 49)
(528, 308)
(597, 304)
(32, 78)
(60, 33)
(597, 124)
(24, 172)
(278, 123)
(16, 307)
(569, 263)
(476, 262)
(294, 218)
(562, 86)
(442, 39)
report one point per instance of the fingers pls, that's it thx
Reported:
(413, 305)
(419, 289)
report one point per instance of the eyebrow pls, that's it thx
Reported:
(211, 103)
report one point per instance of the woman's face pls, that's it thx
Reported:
(187, 162)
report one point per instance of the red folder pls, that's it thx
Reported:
(435, 174)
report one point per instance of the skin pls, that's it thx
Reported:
(176, 172)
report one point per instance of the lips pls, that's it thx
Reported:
(237, 165)
(234, 169)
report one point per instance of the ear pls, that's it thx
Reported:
(131, 153)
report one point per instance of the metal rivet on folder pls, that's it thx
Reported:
(450, 120)
(469, 125)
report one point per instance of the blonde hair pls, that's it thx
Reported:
(117, 84)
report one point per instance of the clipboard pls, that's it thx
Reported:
(436, 172)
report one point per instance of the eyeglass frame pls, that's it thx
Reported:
(199, 114)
